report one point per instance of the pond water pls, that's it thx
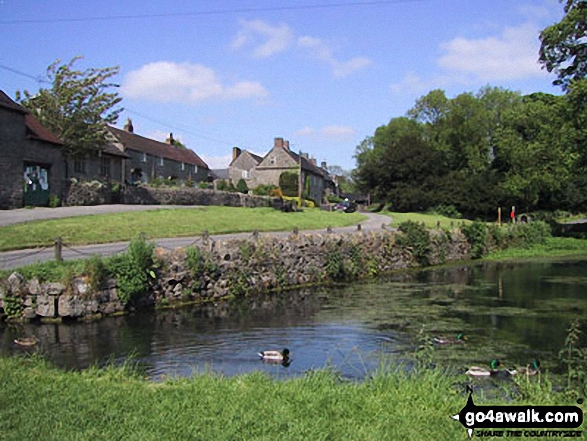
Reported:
(515, 311)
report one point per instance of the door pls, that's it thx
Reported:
(36, 185)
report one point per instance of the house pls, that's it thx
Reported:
(31, 166)
(256, 170)
(150, 159)
(105, 164)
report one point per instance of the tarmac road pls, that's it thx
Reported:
(18, 258)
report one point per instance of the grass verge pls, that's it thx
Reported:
(163, 223)
(554, 247)
(41, 402)
(430, 220)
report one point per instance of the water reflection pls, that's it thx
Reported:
(514, 311)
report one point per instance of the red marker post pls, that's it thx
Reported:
(513, 214)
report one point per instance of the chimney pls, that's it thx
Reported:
(286, 145)
(323, 165)
(128, 126)
(235, 153)
(278, 142)
(313, 161)
(170, 140)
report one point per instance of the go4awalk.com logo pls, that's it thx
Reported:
(520, 421)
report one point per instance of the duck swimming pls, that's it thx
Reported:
(275, 356)
(476, 371)
(26, 341)
(529, 370)
(460, 338)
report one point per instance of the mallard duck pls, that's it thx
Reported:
(530, 369)
(476, 371)
(460, 338)
(26, 341)
(275, 356)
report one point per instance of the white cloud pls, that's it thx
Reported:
(166, 81)
(215, 162)
(321, 51)
(511, 55)
(333, 132)
(276, 39)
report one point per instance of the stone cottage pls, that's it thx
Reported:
(31, 164)
(150, 159)
(243, 166)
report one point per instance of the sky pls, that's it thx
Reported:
(323, 74)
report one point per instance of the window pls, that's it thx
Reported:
(195, 169)
(245, 174)
(183, 166)
(79, 164)
(161, 161)
(272, 160)
(144, 157)
(105, 166)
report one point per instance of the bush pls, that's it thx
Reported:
(288, 182)
(133, 269)
(416, 237)
(54, 201)
(476, 234)
(264, 189)
(446, 210)
(241, 186)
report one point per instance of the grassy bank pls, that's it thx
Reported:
(554, 247)
(165, 223)
(430, 220)
(41, 402)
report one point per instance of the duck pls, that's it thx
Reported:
(26, 341)
(493, 371)
(460, 338)
(529, 370)
(275, 356)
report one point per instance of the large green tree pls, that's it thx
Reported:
(77, 106)
(564, 46)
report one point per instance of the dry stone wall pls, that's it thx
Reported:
(217, 270)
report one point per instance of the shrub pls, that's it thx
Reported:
(199, 265)
(241, 186)
(446, 210)
(476, 234)
(204, 185)
(96, 270)
(335, 266)
(133, 269)
(54, 201)
(264, 189)
(288, 182)
(416, 237)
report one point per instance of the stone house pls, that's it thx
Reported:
(243, 166)
(106, 164)
(149, 159)
(31, 166)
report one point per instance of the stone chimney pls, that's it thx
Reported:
(286, 145)
(235, 153)
(128, 126)
(278, 142)
(170, 140)
(313, 161)
(323, 165)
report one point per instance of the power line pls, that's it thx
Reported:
(39, 79)
(210, 12)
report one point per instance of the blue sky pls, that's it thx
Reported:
(323, 74)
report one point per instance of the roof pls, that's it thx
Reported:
(256, 158)
(307, 164)
(114, 151)
(8, 103)
(220, 173)
(36, 131)
(139, 143)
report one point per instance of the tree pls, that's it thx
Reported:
(564, 49)
(77, 106)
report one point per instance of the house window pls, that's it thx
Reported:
(79, 164)
(195, 169)
(272, 160)
(105, 166)
(245, 174)
(161, 161)
(144, 157)
(183, 166)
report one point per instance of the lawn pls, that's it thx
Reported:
(166, 223)
(431, 220)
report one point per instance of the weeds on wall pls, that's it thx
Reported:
(415, 237)
(200, 265)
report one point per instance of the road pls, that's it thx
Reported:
(19, 258)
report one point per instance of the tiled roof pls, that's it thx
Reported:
(8, 103)
(139, 143)
(114, 151)
(37, 131)
(307, 164)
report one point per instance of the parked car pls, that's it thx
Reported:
(346, 206)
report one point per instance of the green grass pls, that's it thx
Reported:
(42, 402)
(430, 220)
(165, 223)
(554, 247)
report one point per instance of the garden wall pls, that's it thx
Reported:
(223, 269)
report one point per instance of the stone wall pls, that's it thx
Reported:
(223, 269)
(190, 196)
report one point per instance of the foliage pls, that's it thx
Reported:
(446, 210)
(573, 356)
(133, 269)
(334, 268)
(54, 201)
(225, 186)
(476, 234)
(13, 306)
(200, 265)
(415, 237)
(77, 106)
(563, 49)
(96, 269)
(164, 182)
(300, 202)
(204, 185)
(264, 189)
(288, 182)
(241, 186)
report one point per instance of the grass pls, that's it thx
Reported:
(554, 247)
(39, 401)
(430, 220)
(165, 223)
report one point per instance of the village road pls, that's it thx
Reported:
(18, 258)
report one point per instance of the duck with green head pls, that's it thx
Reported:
(477, 371)
(530, 369)
(275, 356)
(460, 338)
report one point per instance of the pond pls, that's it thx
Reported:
(515, 311)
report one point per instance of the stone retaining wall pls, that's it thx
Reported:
(222, 269)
